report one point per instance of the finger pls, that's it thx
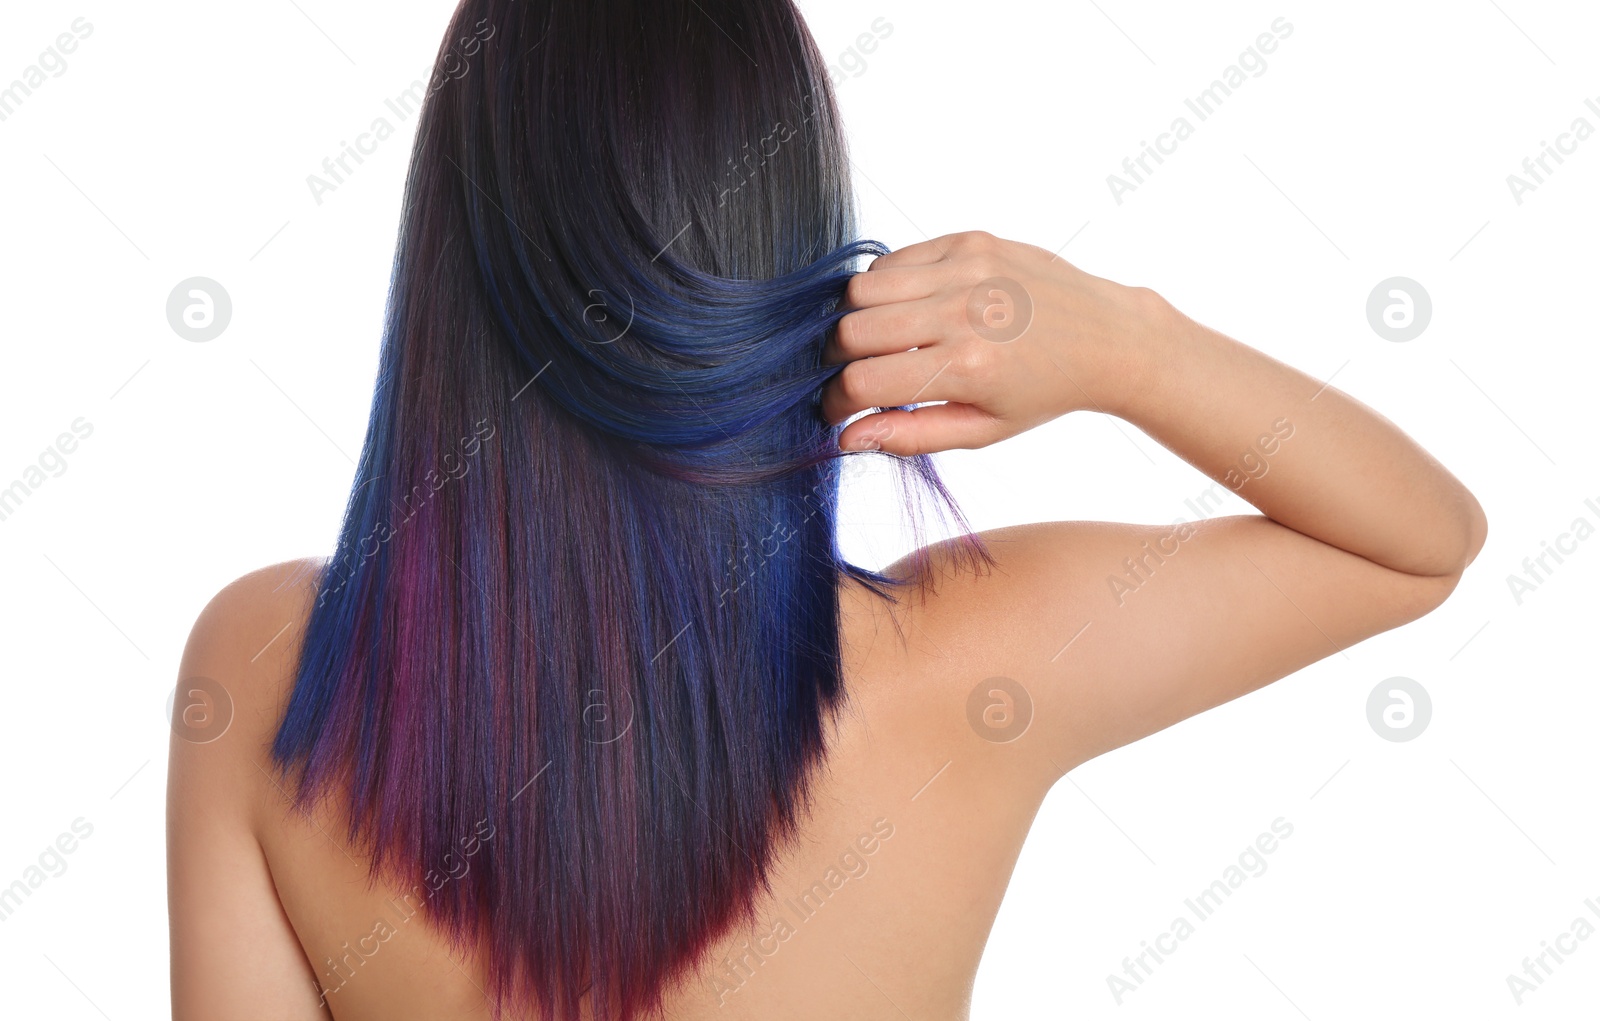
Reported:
(920, 254)
(891, 381)
(884, 330)
(937, 249)
(885, 286)
(922, 430)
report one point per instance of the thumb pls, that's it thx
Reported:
(924, 430)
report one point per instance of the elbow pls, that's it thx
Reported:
(1454, 546)
(1479, 529)
(1456, 543)
(1476, 531)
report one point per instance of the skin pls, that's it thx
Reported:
(1359, 531)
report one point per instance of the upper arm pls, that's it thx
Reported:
(234, 953)
(1117, 631)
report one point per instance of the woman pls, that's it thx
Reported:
(586, 717)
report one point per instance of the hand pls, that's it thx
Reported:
(1005, 333)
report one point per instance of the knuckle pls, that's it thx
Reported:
(972, 361)
(1148, 297)
(976, 240)
(856, 381)
(1149, 305)
(855, 292)
(850, 333)
(980, 255)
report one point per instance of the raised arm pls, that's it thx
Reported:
(1120, 630)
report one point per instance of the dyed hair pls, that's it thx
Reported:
(575, 654)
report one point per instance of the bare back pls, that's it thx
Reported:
(966, 704)
(884, 902)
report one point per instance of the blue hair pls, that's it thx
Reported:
(581, 626)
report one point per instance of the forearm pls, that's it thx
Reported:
(1305, 454)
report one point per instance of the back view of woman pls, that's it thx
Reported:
(586, 716)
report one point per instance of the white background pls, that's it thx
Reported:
(1376, 143)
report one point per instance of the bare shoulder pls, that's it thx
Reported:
(246, 636)
(235, 675)
(279, 592)
(1088, 635)
(234, 952)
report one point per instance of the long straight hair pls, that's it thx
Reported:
(575, 653)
